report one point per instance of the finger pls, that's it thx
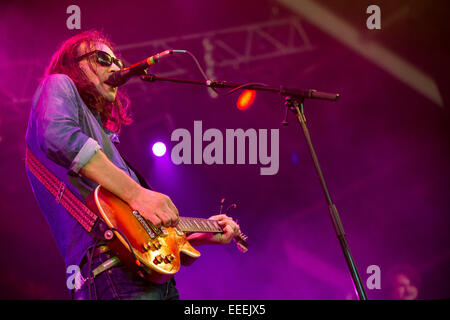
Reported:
(228, 234)
(235, 227)
(172, 211)
(175, 222)
(218, 217)
(155, 220)
(228, 221)
(222, 223)
(165, 218)
(228, 229)
(173, 216)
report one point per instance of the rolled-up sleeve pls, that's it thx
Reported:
(57, 110)
(86, 152)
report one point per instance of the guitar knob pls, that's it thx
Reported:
(169, 258)
(157, 244)
(150, 246)
(158, 259)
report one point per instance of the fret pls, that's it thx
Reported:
(190, 225)
(196, 224)
(214, 225)
(209, 225)
(206, 225)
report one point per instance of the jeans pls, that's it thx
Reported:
(118, 283)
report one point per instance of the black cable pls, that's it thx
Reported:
(91, 279)
(127, 241)
(247, 85)
(200, 68)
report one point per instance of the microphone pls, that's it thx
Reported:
(120, 77)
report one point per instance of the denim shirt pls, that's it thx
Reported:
(64, 134)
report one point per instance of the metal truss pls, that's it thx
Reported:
(226, 48)
(217, 51)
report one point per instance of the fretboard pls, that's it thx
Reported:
(198, 225)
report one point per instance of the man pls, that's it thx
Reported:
(73, 128)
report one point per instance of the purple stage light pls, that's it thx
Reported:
(159, 149)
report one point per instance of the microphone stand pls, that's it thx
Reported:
(294, 101)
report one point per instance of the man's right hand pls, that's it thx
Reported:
(155, 206)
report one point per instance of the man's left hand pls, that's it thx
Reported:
(230, 230)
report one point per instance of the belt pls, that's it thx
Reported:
(100, 250)
(108, 264)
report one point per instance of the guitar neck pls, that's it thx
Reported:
(206, 225)
(198, 225)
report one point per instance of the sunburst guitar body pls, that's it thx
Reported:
(155, 254)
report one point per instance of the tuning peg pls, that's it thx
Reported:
(221, 205)
(233, 206)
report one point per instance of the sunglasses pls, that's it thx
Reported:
(103, 58)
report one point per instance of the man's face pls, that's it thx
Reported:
(100, 74)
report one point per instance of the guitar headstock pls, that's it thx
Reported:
(241, 239)
(241, 242)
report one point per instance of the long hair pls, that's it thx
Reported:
(113, 114)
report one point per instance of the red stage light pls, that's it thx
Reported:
(246, 99)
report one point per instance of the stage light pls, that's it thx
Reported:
(159, 149)
(246, 99)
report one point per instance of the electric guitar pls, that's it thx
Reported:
(153, 253)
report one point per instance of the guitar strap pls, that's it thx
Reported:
(95, 226)
(62, 194)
